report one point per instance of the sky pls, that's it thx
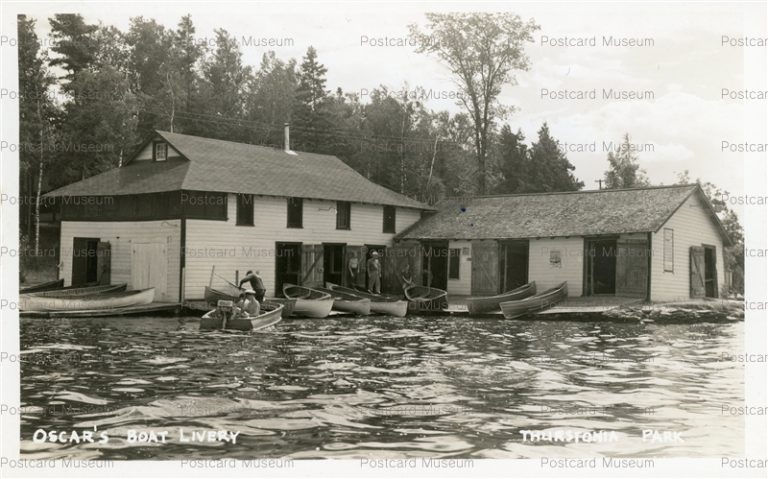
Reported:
(680, 59)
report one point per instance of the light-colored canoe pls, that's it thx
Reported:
(47, 286)
(539, 302)
(426, 298)
(123, 299)
(380, 304)
(271, 314)
(348, 302)
(71, 292)
(486, 304)
(310, 303)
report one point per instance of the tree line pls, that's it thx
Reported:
(96, 93)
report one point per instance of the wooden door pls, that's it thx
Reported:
(333, 263)
(287, 265)
(84, 261)
(312, 264)
(485, 267)
(697, 272)
(149, 268)
(631, 268)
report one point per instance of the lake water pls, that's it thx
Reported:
(381, 387)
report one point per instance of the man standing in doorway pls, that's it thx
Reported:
(352, 266)
(374, 273)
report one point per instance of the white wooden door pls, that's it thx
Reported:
(149, 268)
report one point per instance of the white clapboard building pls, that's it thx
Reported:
(186, 204)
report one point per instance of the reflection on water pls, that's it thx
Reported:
(381, 387)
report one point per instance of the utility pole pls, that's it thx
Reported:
(599, 183)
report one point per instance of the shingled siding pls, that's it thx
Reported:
(546, 274)
(231, 247)
(121, 235)
(692, 227)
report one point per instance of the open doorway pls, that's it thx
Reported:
(435, 261)
(513, 264)
(710, 271)
(287, 266)
(600, 266)
(85, 267)
(333, 263)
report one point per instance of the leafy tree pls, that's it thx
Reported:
(624, 170)
(36, 114)
(482, 51)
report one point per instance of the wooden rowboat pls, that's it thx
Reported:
(271, 314)
(348, 302)
(288, 305)
(539, 302)
(47, 286)
(486, 304)
(380, 303)
(310, 303)
(72, 292)
(212, 296)
(426, 298)
(122, 299)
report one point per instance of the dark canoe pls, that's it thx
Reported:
(270, 314)
(347, 302)
(71, 292)
(121, 299)
(486, 304)
(539, 302)
(380, 303)
(426, 298)
(47, 286)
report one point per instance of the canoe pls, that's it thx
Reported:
(270, 314)
(71, 292)
(288, 305)
(348, 302)
(426, 298)
(122, 299)
(47, 286)
(380, 303)
(310, 303)
(539, 302)
(486, 304)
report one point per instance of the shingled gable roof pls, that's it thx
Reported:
(579, 213)
(230, 167)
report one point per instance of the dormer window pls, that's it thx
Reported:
(160, 151)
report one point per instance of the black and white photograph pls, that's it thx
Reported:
(371, 239)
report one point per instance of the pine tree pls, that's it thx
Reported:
(310, 117)
(548, 167)
(624, 170)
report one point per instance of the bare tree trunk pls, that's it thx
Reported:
(173, 99)
(39, 183)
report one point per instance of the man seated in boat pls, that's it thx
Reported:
(249, 305)
(257, 285)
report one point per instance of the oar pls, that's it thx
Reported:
(229, 282)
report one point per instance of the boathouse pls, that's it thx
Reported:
(183, 205)
(657, 243)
